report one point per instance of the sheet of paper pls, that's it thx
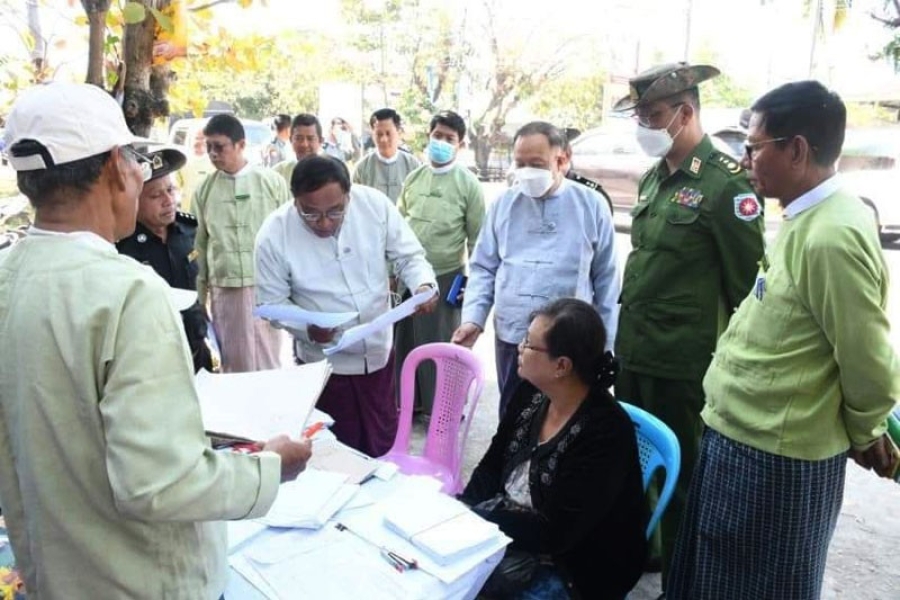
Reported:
(344, 568)
(261, 404)
(298, 318)
(335, 457)
(241, 531)
(364, 330)
(182, 299)
(308, 501)
(370, 525)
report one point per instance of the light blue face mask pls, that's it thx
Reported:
(440, 152)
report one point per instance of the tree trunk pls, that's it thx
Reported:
(146, 85)
(96, 11)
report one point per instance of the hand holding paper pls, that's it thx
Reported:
(361, 332)
(428, 306)
(294, 455)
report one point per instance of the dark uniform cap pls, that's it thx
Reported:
(166, 160)
(663, 81)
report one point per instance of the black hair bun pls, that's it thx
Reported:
(609, 368)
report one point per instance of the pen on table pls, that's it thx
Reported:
(396, 560)
(313, 429)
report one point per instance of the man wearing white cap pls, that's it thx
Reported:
(107, 483)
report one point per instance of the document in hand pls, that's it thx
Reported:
(383, 321)
(309, 501)
(335, 457)
(295, 317)
(442, 527)
(259, 405)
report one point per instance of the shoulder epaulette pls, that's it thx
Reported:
(186, 218)
(725, 162)
(594, 185)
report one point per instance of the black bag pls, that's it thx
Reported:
(513, 575)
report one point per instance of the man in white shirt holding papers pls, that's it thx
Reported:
(329, 252)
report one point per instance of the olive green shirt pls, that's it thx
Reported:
(697, 237)
(445, 210)
(230, 209)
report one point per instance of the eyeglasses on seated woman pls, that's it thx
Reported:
(562, 476)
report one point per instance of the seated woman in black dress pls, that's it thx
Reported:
(562, 476)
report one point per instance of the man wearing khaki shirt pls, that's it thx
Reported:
(108, 485)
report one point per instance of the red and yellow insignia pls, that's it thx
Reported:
(747, 207)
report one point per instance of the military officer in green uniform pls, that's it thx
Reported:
(697, 237)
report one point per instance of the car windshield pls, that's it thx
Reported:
(869, 151)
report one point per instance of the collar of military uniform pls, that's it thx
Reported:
(693, 163)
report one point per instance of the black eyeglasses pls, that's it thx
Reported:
(314, 216)
(750, 148)
(147, 163)
(527, 345)
(216, 147)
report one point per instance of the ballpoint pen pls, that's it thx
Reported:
(313, 429)
(399, 562)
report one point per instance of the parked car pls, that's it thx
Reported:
(870, 166)
(614, 159)
(258, 134)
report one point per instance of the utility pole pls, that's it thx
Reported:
(816, 19)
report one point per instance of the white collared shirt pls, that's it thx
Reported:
(812, 197)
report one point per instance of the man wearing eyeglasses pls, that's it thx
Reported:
(330, 251)
(230, 205)
(696, 237)
(109, 486)
(164, 239)
(805, 372)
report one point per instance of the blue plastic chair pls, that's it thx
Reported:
(658, 448)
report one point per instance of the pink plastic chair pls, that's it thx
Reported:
(458, 384)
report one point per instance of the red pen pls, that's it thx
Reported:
(313, 429)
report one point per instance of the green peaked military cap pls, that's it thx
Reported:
(663, 81)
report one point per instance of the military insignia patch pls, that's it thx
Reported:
(695, 165)
(746, 207)
(688, 197)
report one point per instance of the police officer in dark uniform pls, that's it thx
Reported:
(164, 239)
(571, 134)
(697, 238)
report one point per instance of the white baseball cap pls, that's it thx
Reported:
(69, 122)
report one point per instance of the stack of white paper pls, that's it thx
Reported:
(444, 528)
(260, 405)
(310, 500)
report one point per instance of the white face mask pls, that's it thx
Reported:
(535, 183)
(657, 142)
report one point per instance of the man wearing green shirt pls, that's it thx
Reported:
(386, 168)
(306, 140)
(108, 485)
(444, 205)
(696, 236)
(231, 205)
(805, 371)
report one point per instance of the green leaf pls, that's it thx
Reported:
(165, 22)
(133, 13)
